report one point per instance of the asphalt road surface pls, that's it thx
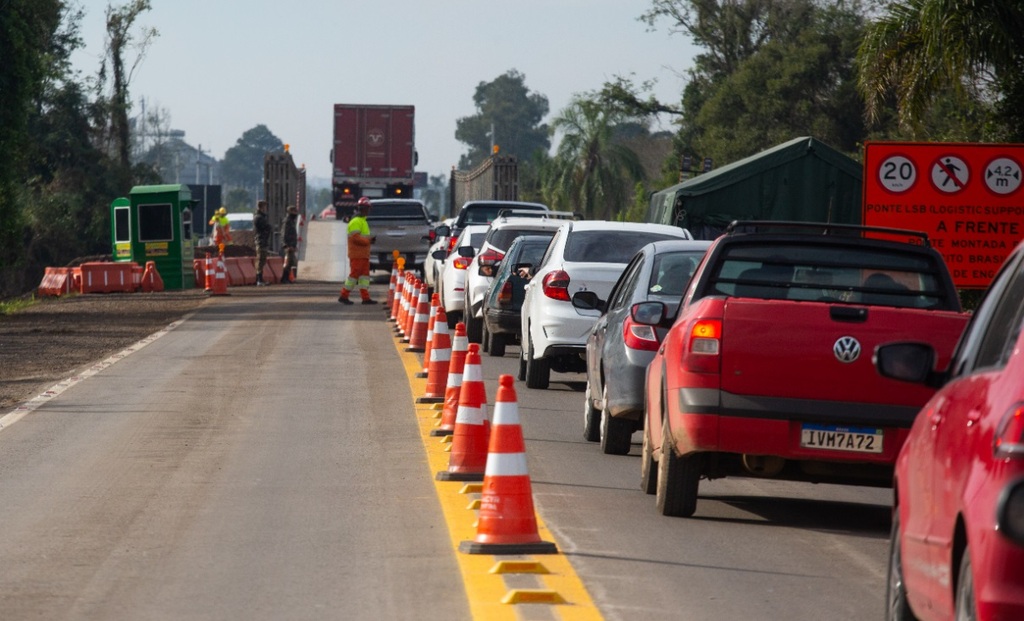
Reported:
(262, 461)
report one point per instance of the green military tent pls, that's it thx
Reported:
(801, 180)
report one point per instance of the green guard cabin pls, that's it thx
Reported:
(155, 224)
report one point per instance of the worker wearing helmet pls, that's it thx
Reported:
(359, 240)
(221, 228)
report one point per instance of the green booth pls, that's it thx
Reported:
(155, 224)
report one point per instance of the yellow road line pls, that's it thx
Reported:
(486, 577)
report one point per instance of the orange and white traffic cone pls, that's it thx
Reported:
(507, 522)
(413, 305)
(440, 360)
(418, 332)
(468, 458)
(431, 320)
(398, 293)
(220, 279)
(391, 286)
(453, 385)
(403, 306)
(211, 272)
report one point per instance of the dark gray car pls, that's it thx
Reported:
(619, 349)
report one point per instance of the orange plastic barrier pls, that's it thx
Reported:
(56, 281)
(236, 277)
(276, 267)
(103, 277)
(248, 266)
(199, 269)
(151, 280)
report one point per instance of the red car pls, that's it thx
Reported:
(957, 549)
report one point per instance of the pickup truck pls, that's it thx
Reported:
(400, 224)
(766, 370)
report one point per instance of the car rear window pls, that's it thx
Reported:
(392, 210)
(608, 246)
(672, 271)
(486, 213)
(831, 273)
(503, 238)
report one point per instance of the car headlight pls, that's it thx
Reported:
(1010, 512)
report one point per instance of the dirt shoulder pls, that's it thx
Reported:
(53, 339)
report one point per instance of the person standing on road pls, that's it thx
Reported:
(264, 231)
(290, 237)
(221, 229)
(359, 240)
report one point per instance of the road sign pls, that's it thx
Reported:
(967, 197)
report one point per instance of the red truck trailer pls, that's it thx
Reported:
(374, 154)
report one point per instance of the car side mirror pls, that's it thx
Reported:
(648, 313)
(439, 255)
(467, 251)
(907, 362)
(587, 300)
(443, 231)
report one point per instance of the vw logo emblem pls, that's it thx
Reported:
(846, 349)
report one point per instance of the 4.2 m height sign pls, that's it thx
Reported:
(968, 198)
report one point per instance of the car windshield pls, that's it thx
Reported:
(486, 213)
(396, 210)
(503, 238)
(614, 246)
(243, 223)
(672, 272)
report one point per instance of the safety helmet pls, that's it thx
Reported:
(363, 202)
(222, 212)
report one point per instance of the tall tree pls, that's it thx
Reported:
(243, 163)
(508, 115)
(120, 21)
(591, 171)
(919, 51)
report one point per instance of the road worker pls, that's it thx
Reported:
(221, 228)
(264, 231)
(359, 240)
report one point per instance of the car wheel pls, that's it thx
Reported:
(896, 591)
(497, 346)
(538, 374)
(616, 433)
(474, 326)
(648, 467)
(453, 319)
(591, 418)
(966, 609)
(678, 480)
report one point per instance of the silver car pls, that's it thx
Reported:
(619, 349)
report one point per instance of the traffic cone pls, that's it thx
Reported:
(403, 306)
(398, 293)
(440, 360)
(391, 286)
(430, 336)
(468, 458)
(412, 307)
(211, 272)
(507, 522)
(220, 279)
(453, 385)
(151, 280)
(418, 333)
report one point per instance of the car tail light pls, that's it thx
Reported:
(556, 285)
(505, 295)
(451, 243)
(461, 263)
(488, 260)
(1008, 441)
(638, 336)
(432, 236)
(705, 342)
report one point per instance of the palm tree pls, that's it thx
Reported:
(921, 49)
(591, 172)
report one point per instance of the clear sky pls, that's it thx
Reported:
(220, 68)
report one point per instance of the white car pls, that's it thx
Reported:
(452, 277)
(484, 265)
(589, 255)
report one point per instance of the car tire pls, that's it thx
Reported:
(591, 418)
(538, 373)
(497, 344)
(474, 325)
(678, 480)
(898, 608)
(454, 318)
(966, 608)
(616, 433)
(648, 467)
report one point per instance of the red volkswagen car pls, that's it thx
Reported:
(957, 549)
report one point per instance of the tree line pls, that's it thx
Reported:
(767, 71)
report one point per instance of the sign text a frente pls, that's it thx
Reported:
(968, 198)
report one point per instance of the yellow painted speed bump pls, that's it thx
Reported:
(519, 567)
(472, 488)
